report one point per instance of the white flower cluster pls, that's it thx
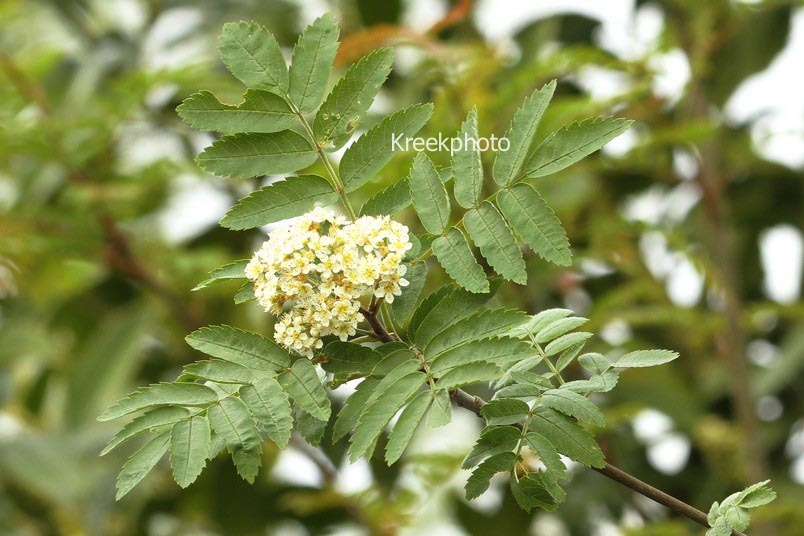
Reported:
(321, 266)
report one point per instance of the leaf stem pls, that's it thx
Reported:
(549, 363)
(335, 179)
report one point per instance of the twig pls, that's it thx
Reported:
(24, 83)
(328, 470)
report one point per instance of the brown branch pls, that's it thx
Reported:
(328, 470)
(373, 321)
(24, 84)
(120, 258)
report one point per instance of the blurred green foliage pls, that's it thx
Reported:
(95, 296)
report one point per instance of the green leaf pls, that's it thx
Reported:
(404, 304)
(558, 328)
(395, 197)
(430, 198)
(480, 325)
(531, 492)
(374, 149)
(160, 394)
(570, 144)
(599, 383)
(645, 358)
(145, 422)
(351, 97)
(260, 111)
(496, 242)
(432, 302)
(481, 477)
(508, 164)
(302, 384)
(504, 411)
(189, 447)
(570, 353)
(280, 200)
(140, 463)
(252, 54)
(756, 495)
(443, 308)
(220, 371)
(388, 201)
(310, 428)
(243, 156)
(548, 455)
(540, 321)
(405, 366)
(379, 412)
(349, 359)
(594, 363)
(492, 440)
(405, 426)
(269, 404)
(349, 414)
(245, 293)
(468, 374)
(392, 359)
(311, 63)
(574, 405)
(567, 436)
(467, 166)
(233, 422)
(242, 347)
(441, 410)
(501, 352)
(566, 341)
(234, 270)
(455, 255)
(535, 223)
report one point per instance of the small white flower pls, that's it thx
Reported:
(322, 275)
